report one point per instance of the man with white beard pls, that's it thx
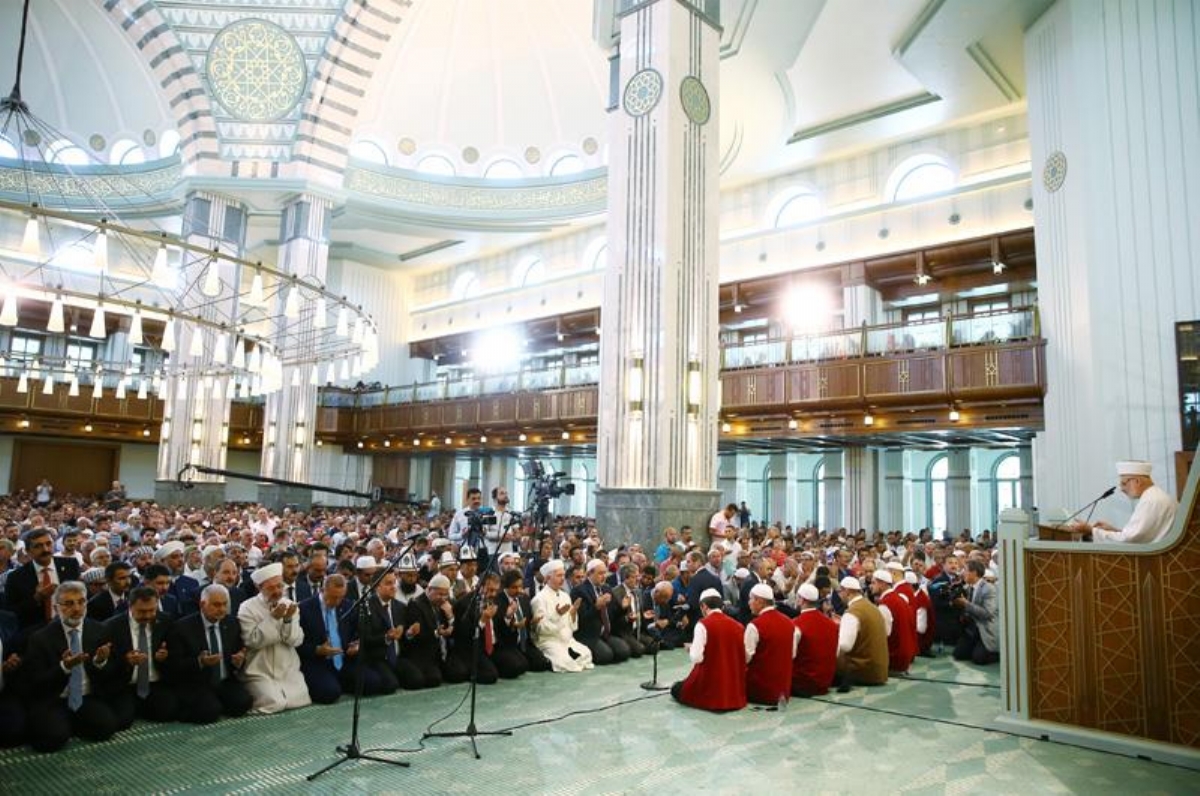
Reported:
(556, 619)
(272, 634)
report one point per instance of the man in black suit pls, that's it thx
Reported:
(763, 569)
(30, 588)
(627, 609)
(63, 663)
(12, 710)
(185, 589)
(206, 651)
(329, 652)
(380, 638)
(704, 576)
(430, 621)
(594, 629)
(465, 613)
(114, 598)
(515, 651)
(312, 579)
(135, 684)
(158, 577)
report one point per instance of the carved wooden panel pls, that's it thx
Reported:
(460, 414)
(328, 419)
(896, 380)
(1000, 371)
(537, 407)
(497, 410)
(427, 416)
(580, 404)
(828, 385)
(1113, 640)
(753, 388)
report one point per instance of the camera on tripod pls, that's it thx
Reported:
(543, 485)
(477, 519)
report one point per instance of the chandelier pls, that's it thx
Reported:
(72, 269)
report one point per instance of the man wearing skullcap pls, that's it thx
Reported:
(897, 620)
(862, 639)
(272, 634)
(771, 641)
(555, 619)
(184, 589)
(815, 665)
(409, 587)
(426, 642)
(718, 655)
(1153, 515)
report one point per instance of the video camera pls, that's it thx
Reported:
(545, 486)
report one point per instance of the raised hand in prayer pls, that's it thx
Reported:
(238, 658)
(71, 661)
(11, 663)
(210, 658)
(327, 650)
(575, 605)
(135, 658)
(102, 652)
(160, 654)
(352, 650)
(413, 629)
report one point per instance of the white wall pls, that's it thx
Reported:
(1114, 87)
(138, 470)
(6, 457)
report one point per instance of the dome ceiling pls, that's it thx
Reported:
(474, 81)
(84, 77)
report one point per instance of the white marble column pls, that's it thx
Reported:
(890, 480)
(958, 491)
(659, 361)
(1114, 123)
(835, 492)
(195, 427)
(289, 413)
(860, 497)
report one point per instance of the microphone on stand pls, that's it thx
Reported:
(1092, 506)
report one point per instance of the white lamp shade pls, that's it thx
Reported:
(135, 329)
(291, 305)
(56, 323)
(98, 330)
(319, 318)
(8, 313)
(30, 242)
(168, 341)
(239, 354)
(160, 274)
(212, 280)
(256, 299)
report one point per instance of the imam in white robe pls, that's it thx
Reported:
(555, 633)
(272, 671)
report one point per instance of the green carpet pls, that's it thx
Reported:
(652, 745)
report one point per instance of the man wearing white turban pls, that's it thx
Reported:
(555, 620)
(272, 634)
(1154, 513)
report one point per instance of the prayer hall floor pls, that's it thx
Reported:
(650, 746)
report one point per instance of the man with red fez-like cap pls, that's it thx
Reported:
(718, 653)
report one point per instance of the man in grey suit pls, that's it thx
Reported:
(978, 642)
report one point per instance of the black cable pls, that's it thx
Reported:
(584, 712)
(947, 682)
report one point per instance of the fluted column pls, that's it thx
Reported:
(958, 491)
(835, 492)
(289, 413)
(659, 360)
(195, 427)
(859, 480)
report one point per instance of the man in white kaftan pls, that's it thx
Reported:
(272, 633)
(555, 619)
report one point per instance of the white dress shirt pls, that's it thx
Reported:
(751, 637)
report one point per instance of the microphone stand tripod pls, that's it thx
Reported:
(655, 643)
(473, 613)
(352, 750)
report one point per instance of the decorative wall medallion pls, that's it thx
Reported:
(642, 92)
(407, 146)
(32, 137)
(532, 154)
(470, 155)
(1054, 173)
(590, 146)
(96, 142)
(256, 70)
(694, 97)
(149, 137)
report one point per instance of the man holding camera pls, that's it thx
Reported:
(978, 642)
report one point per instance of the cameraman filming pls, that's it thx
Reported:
(499, 537)
(978, 642)
(459, 531)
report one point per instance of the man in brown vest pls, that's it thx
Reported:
(862, 640)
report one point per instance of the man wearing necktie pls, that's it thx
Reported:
(135, 683)
(380, 639)
(515, 654)
(29, 590)
(627, 610)
(595, 624)
(470, 617)
(329, 652)
(62, 663)
(206, 652)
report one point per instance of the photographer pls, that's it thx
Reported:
(979, 642)
(499, 537)
(467, 527)
(943, 590)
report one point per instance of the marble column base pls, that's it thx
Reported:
(627, 516)
(201, 494)
(276, 497)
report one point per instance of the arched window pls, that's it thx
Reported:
(168, 143)
(503, 169)
(938, 474)
(125, 152)
(919, 176)
(372, 152)
(567, 164)
(595, 256)
(7, 149)
(530, 271)
(1007, 476)
(466, 286)
(819, 496)
(66, 153)
(436, 164)
(800, 209)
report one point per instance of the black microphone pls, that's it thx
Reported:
(1106, 494)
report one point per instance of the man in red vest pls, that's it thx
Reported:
(816, 655)
(898, 621)
(771, 640)
(717, 680)
(923, 612)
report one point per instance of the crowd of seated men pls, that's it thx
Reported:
(113, 611)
